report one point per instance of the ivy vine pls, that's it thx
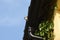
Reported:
(46, 30)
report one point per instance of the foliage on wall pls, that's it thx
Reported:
(45, 30)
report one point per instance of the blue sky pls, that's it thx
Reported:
(12, 21)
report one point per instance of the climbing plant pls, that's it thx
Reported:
(46, 30)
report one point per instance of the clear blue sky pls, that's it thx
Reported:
(12, 21)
